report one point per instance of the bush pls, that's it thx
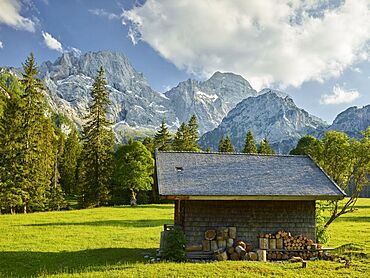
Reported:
(174, 245)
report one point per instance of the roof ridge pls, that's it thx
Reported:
(235, 153)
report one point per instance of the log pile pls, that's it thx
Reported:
(285, 240)
(223, 244)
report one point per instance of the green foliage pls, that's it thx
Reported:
(162, 138)
(97, 153)
(174, 245)
(148, 142)
(27, 138)
(134, 167)
(322, 235)
(225, 145)
(345, 160)
(265, 148)
(249, 145)
(69, 163)
(186, 137)
(304, 145)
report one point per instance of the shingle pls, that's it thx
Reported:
(225, 174)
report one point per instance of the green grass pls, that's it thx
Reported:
(112, 242)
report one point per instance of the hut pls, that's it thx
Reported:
(254, 193)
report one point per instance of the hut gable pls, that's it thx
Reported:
(226, 176)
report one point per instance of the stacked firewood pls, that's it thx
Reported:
(223, 244)
(285, 240)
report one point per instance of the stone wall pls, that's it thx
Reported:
(250, 218)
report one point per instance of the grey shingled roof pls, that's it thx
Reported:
(226, 174)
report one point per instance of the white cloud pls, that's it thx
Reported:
(267, 41)
(52, 42)
(104, 13)
(10, 15)
(1, 44)
(339, 95)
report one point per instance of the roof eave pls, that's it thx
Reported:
(250, 197)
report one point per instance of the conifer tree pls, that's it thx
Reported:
(181, 141)
(250, 145)
(27, 138)
(265, 148)
(69, 162)
(162, 138)
(193, 129)
(56, 195)
(98, 143)
(226, 145)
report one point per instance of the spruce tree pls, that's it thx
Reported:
(27, 138)
(56, 199)
(181, 141)
(265, 148)
(162, 138)
(193, 129)
(226, 145)
(250, 145)
(69, 162)
(98, 143)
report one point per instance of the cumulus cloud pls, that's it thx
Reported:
(10, 15)
(339, 95)
(104, 13)
(267, 41)
(52, 42)
(1, 44)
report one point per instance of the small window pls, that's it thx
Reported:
(179, 169)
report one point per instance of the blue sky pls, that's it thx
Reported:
(317, 51)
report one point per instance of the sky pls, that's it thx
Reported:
(316, 51)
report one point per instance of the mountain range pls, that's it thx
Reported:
(225, 104)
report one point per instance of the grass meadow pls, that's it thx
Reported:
(112, 242)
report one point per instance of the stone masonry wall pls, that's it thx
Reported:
(250, 218)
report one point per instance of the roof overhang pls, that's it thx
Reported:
(250, 198)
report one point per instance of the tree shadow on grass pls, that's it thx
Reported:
(30, 264)
(114, 223)
(355, 219)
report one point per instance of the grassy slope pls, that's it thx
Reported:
(112, 242)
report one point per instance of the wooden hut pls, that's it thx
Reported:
(254, 193)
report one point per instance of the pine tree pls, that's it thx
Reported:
(69, 163)
(186, 136)
(134, 167)
(27, 138)
(148, 142)
(265, 148)
(193, 129)
(56, 195)
(250, 145)
(226, 145)
(162, 138)
(98, 143)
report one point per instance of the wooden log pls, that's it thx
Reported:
(248, 247)
(261, 254)
(241, 243)
(234, 256)
(264, 243)
(220, 234)
(210, 234)
(253, 256)
(206, 245)
(225, 233)
(279, 243)
(214, 246)
(230, 250)
(229, 242)
(232, 232)
(193, 248)
(221, 244)
(221, 256)
(304, 264)
(272, 243)
(240, 250)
